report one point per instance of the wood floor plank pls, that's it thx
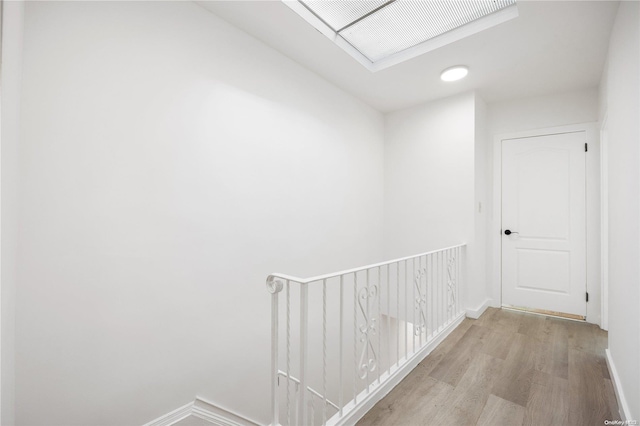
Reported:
(507, 368)
(515, 379)
(532, 325)
(587, 337)
(498, 411)
(506, 320)
(553, 356)
(452, 367)
(472, 392)
(430, 362)
(498, 344)
(411, 401)
(588, 402)
(486, 317)
(548, 402)
(614, 409)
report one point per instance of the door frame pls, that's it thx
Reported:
(604, 211)
(592, 182)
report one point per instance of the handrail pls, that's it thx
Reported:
(416, 299)
(309, 388)
(299, 280)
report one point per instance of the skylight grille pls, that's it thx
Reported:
(404, 24)
(380, 33)
(340, 13)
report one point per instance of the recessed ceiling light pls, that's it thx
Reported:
(454, 73)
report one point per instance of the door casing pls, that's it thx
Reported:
(594, 306)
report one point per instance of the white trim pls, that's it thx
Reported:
(173, 417)
(604, 225)
(204, 410)
(475, 313)
(593, 259)
(368, 400)
(624, 411)
(473, 27)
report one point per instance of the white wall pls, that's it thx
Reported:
(620, 102)
(12, 22)
(481, 271)
(429, 177)
(169, 163)
(538, 113)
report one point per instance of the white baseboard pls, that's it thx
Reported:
(475, 313)
(205, 410)
(625, 413)
(366, 400)
(172, 417)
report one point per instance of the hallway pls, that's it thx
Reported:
(507, 368)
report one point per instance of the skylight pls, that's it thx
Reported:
(382, 33)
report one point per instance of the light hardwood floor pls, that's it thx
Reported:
(507, 368)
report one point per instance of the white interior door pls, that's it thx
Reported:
(544, 223)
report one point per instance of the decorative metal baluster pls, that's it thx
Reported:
(398, 314)
(324, 351)
(304, 322)
(430, 257)
(406, 313)
(355, 338)
(366, 325)
(340, 390)
(413, 293)
(389, 318)
(288, 353)
(368, 361)
(420, 303)
(297, 392)
(451, 284)
(459, 278)
(379, 320)
(439, 290)
(274, 287)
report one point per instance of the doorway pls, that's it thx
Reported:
(544, 224)
(547, 268)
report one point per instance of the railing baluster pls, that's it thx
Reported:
(422, 326)
(439, 290)
(458, 280)
(435, 279)
(324, 351)
(304, 322)
(355, 337)
(366, 342)
(340, 388)
(397, 314)
(449, 286)
(379, 293)
(297, 393)
(311, 410)
(406, 313)
(288, 353)
(429, 299)
(389, 318)
(413, 301)
(274, 358)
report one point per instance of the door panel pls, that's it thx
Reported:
(543, 204)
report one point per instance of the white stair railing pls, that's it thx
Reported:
(342, 337)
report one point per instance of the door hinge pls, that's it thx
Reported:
(586, 147)
(587, 296)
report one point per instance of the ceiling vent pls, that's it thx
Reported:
(379, 34)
